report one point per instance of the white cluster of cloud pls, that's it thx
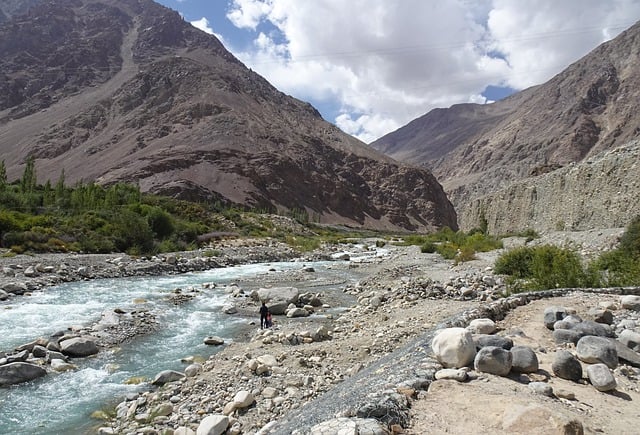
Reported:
(389, 61)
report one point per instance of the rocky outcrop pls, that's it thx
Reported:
(600, 192)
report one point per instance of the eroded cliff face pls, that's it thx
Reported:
(478, 152)
(600, 192)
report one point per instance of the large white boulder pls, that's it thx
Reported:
(454, 347)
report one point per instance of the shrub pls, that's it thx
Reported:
(543, 267)
(428, 248)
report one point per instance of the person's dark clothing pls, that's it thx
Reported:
(263, 316)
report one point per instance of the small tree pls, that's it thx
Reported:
(3, 176)
(29, 179)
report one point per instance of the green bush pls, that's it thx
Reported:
(428, 248)
(630, 239)
(544, 267)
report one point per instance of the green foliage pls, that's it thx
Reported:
(544, 267)
(302, 243)
(29, 179)
(621, 267)
(454, 245)
(3, 176)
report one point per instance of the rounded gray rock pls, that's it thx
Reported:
(593, 350)
(566, 366)
(494, 360)
(553, 314)
(601, 377)
(524, 360)
(483, 340)
(631, 339)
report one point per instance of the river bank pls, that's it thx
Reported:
(297, 374)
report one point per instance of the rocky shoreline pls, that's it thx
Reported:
(371, 367)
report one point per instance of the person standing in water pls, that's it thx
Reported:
(263, 315)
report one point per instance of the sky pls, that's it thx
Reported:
(372, 66)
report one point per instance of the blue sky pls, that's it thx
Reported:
(371, 66)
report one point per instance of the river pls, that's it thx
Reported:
(62, 403)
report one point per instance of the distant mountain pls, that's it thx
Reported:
(126, 90)
(477, 150)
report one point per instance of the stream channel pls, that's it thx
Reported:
(62, 403)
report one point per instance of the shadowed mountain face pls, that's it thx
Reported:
(477, 150)
(126, 90)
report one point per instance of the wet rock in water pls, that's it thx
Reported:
(524, 360)
(59, 365)
(494, 360)
(601, 377)
(3, 295)
(17, 288)
(454, 347)
(214, 340)
(166, 376)
(79, 347)
(593, 350)
(566, 366)
(19, 372)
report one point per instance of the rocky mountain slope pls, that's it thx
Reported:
(477, 150)
(126, 90)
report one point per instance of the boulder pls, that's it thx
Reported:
(492, 340)
(494, 360)
(524, 360)
(213, 425)
(3, 295)
(454, 347)
(19, 372)
(192, 370)
(631, 339)
(283, 294)
(268, 360)
(482, 326)
(601, 377)
(593, 350)
(60, 365)
(278, 308)
(17, 288)
(79, 347)
(297, 312)
(629, 302)
(625, 354)
(600, 315)
(213, 340)
(553, 314)
(167, 376)
(243, 399)
(564, 336)
(541, 388)
(566, 366)
(589, 327)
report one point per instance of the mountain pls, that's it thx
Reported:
(126, 90)
(476, 151)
